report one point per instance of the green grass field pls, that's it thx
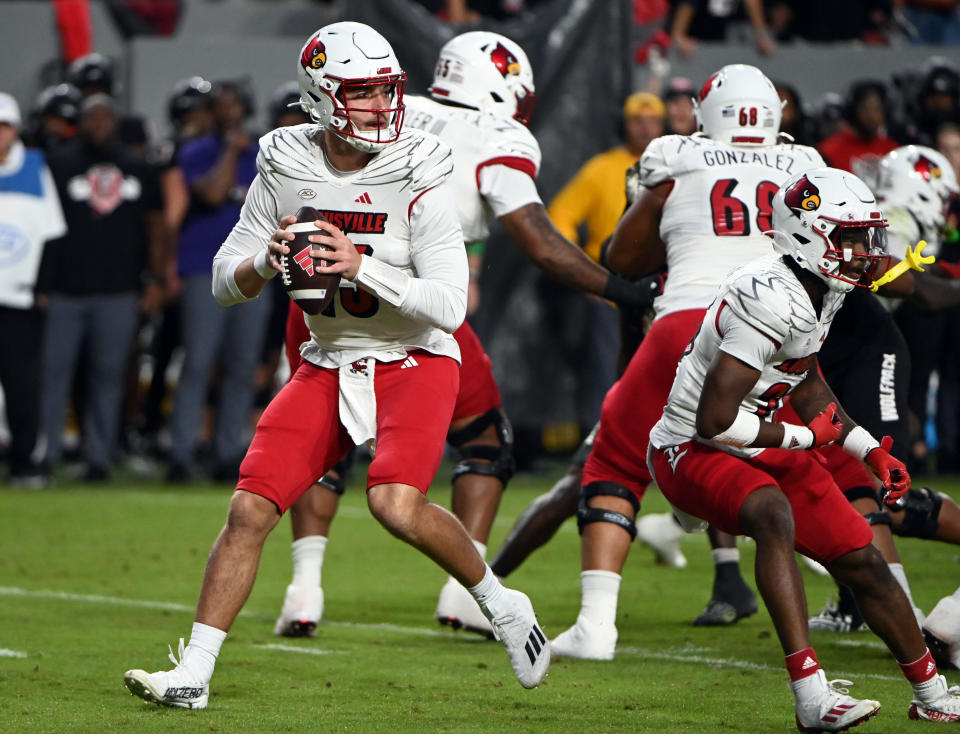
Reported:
(96, 581)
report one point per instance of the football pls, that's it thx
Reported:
(309, 289)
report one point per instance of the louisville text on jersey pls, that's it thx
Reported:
(357, 222)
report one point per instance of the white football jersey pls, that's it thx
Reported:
(763, 317)
(718, 209)
(482, 143)
(398, 210)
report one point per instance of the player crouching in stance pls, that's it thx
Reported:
(717, 454)
(407, 294)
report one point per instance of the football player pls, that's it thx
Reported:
(480, 103)
(700, 204)
(386, 343)
(718, 454)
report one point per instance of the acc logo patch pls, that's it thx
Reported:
(314, 54)
(306, 193)
(802, 196)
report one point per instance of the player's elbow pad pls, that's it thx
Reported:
(742, 432)
(225, 288)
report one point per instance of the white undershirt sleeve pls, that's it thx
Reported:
(251, 234)
(437, 293)
(506, 189)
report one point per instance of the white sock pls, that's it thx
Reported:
(308, 560)
(489, 594)
(725, 555)
(481, 549)
(901, 576)
(200, 655)
(599, 593)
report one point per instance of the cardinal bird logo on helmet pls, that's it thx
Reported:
(802, 196)
(707, 86)
(927, 168)
(505, 61)
(314, 54)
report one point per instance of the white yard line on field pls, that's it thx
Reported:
(304, 650)
(5, 653)
(678, 655)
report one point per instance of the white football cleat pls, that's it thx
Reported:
(662, 533)
(178, 688)
(302, 612)
(826, 706)
(586, 640)
(942, 632)
(941, 704)
(526, 644)
(457, 607)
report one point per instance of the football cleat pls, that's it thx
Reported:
(586, 640)
(178, 688)
(828, 707)
(302, 611)
(721, 613)
(457, 607)
(839, 614)
(941, 704)
(526, 644)
(941, 630)
(662, 533)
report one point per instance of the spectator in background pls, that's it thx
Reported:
(54, 116)
(794, 121)
(678, 104)
(596, 196)
(948, 143)
(96, 74)
(30, 215)
(702, 20)
(109, 263)
(828, 116)
(828, 20)
(190, 112)
(218, 169)
(863, 140)
(937, 101)
(930, 22)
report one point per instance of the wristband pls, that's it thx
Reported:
(264, 269)
(797, 437)
(859, 443)
(742, 432)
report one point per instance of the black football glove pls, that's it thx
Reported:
(635, 294)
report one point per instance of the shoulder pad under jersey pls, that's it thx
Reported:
(767, 295)
(291, 152)
(658, 162)
(507, 138)
(420, 158)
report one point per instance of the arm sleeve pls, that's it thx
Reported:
(569, 208)
(506, 189)
(257, 223)
(437, 294)
(54, 225)
(742, 340)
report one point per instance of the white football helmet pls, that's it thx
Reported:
(348, 56)
(486, 71)
(811, 210)
(739, 105)
(920, 180)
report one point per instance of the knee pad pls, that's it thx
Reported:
(861, 493)
(587, 514)
(921, 513)
(495, 461)
(337, 484)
